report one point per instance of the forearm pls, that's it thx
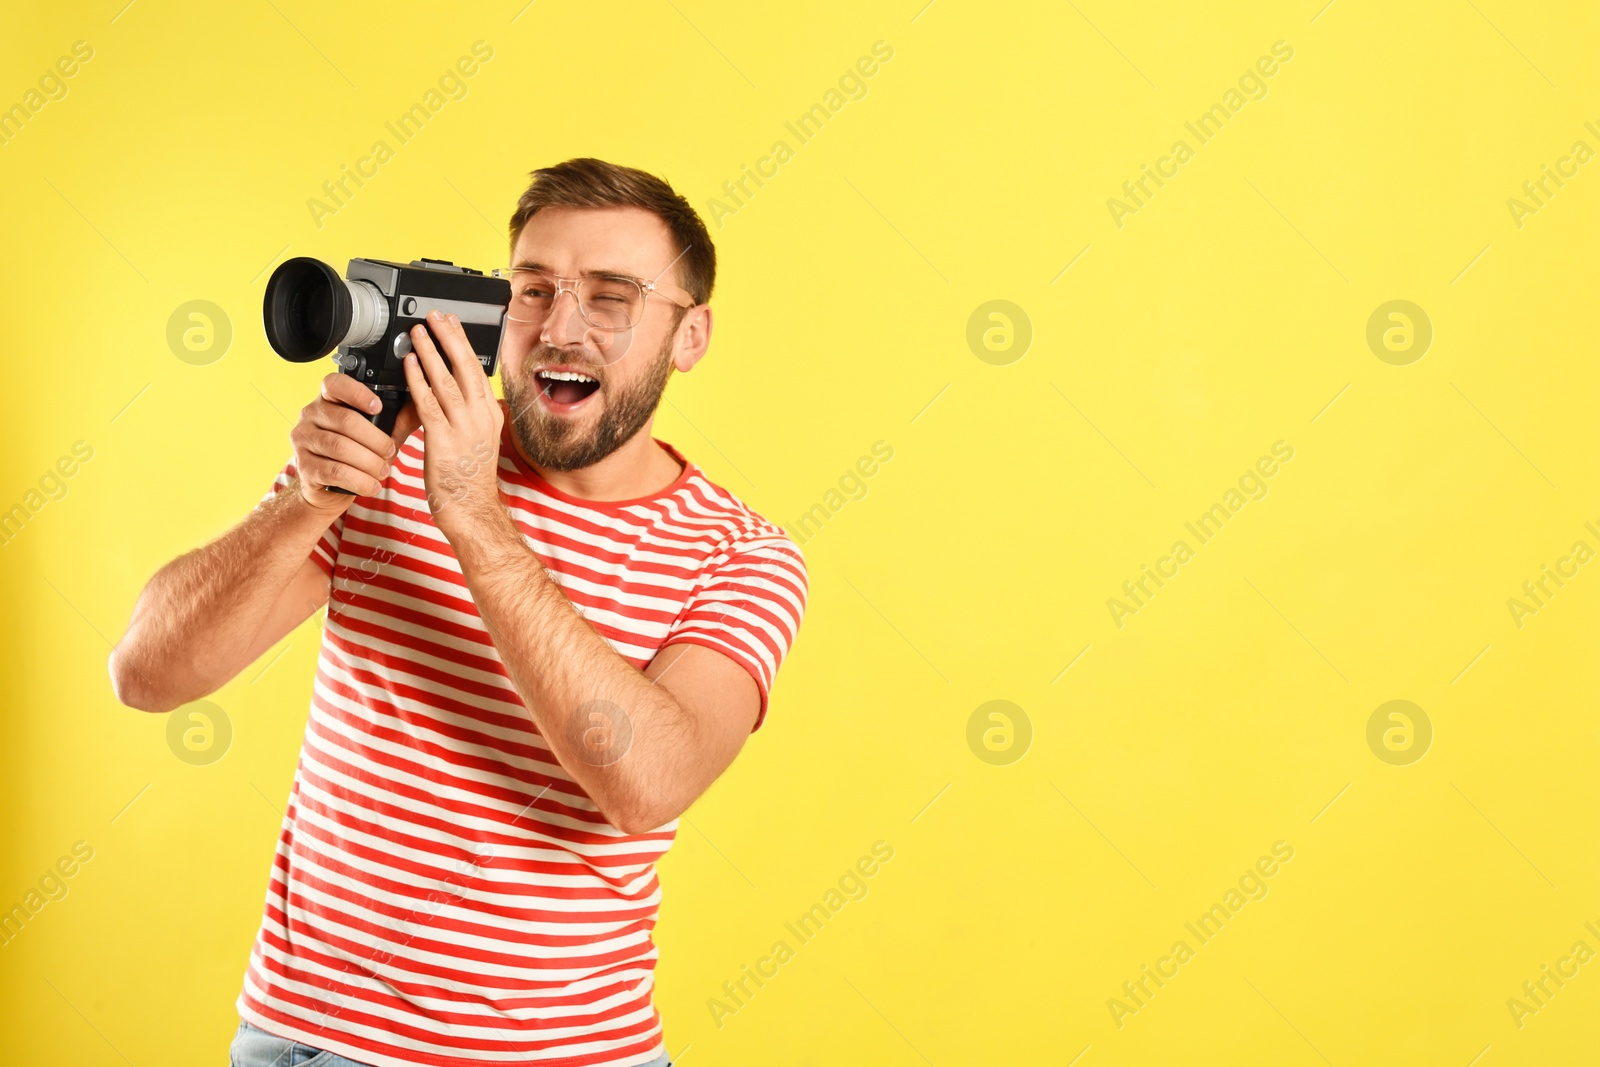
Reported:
(196, 624)
(625, 740)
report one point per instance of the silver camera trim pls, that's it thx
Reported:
(369, 314)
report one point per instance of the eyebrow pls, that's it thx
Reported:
(620, 275)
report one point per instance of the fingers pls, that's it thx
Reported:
(324, 472)
(324, 457)
(335, 445)
(465, 369)
(423, 401)
(445, 388)
(338, 447)
(340, 388)
(318, 470)
(337, 418)
(464, 362)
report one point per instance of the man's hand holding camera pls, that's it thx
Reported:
(334, 444)
(462, 419)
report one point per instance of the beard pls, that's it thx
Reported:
(563, 444)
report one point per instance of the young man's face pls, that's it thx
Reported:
(569, 425)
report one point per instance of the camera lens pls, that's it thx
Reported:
(309, 310)
(306, 309)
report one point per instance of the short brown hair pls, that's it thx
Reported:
(590, 182)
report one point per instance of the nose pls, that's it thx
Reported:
(564, 325)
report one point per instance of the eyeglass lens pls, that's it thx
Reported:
(608, 303)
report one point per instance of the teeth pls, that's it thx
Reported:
(565, 376)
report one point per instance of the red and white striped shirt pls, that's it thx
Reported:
(444, 893)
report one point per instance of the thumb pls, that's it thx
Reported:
(406, 423)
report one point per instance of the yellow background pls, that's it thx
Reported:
(1229, 313)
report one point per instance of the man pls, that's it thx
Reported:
(547, 633)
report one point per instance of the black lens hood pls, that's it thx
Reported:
(306, 309)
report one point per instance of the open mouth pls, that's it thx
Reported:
(564, 390)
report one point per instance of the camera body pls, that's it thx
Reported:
(367, 315)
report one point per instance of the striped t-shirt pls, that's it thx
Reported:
(443, 892)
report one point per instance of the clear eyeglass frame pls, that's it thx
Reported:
(647, 287)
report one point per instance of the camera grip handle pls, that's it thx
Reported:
(384, 419)
(393, 400)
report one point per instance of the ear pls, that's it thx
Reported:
(694, 337)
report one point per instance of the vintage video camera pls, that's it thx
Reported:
(367, 315)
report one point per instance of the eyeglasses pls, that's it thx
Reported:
(606, 301)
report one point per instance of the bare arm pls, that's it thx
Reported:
(643, 746)
(642, 751)
(211, 612)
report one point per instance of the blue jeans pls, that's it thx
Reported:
(254, 1047)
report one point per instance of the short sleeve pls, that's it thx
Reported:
(326, 550)
(748, 605)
